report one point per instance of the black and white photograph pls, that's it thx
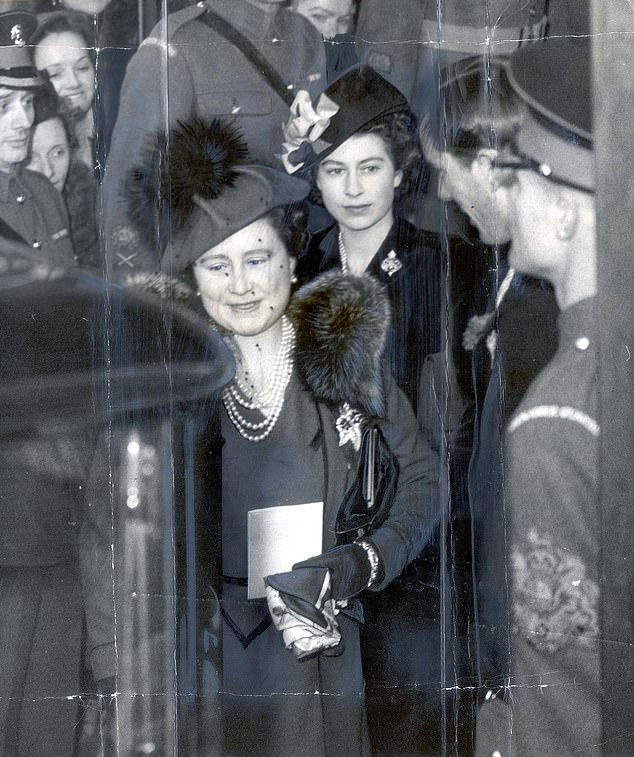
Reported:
(316, 378)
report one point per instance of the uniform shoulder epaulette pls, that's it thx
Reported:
(169, 25)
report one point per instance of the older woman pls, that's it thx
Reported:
(308, 385)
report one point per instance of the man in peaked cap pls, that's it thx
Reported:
(551, 702)
(31, 210)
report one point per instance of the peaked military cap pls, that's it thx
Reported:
(16, 68)
(553, 78)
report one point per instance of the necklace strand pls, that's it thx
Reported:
(343, 255)
(271, 398)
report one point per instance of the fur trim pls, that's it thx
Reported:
(341, 324)
(195, 158)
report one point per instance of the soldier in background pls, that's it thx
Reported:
(550, 703)
(30, 208)
(240, 58)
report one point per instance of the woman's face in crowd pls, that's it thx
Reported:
(245, 281)
(64, 57)
(50, 153)
(329, 17)
(357, 182)
(16, 119)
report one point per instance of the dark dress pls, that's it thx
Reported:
(403, 689)
(416, 293)
(262, 680)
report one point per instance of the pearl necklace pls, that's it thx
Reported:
(343, 254)
(272, 398)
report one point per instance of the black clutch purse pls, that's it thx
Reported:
(367, 502)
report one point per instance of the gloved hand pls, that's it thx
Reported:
(349, 568)
(303, 611)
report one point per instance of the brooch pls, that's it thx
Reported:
(348, 424)
(391, 264)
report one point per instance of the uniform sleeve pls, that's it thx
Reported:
(157, 92)
(417, 507)
(551, 525)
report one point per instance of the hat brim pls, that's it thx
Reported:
(256, 191)
(29, 79)
(363, 97)
(566, 161)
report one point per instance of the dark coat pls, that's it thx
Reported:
(264, 666)
(416, 293)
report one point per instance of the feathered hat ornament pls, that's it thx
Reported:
(341, 325)
(193, 159)
(193, 189)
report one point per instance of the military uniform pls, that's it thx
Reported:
(552, 531)
(186, 70)
(33, 208)
(403, 39)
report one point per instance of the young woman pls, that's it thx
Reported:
(308, 382)
(329, 17)
(51, 155)
(360, 145)
(64, 48)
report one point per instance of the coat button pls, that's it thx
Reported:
(36, 245)
(20, 199)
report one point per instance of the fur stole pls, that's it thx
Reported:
(341, 323)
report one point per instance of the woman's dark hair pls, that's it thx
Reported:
(398, 131)
(47, 106)
(290, 222)
(65, 21)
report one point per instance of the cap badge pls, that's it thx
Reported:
(16, 36)
(391, 264)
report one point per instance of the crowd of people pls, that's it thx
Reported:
(399, 252)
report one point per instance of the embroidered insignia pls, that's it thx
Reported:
(555, 604)
(391, 264)
(348, 424)
(16, 36)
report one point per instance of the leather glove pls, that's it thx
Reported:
(349, 567)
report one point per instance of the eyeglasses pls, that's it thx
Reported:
(522, 162)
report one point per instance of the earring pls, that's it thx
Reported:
(293, 279)
(198, 293)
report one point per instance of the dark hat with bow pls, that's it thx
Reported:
(16, 68)
(357, 98)
(194, 189)
(552, 77)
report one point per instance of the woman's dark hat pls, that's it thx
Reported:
(552, 77)
(354, 100)
(16, 68)
(194, 189)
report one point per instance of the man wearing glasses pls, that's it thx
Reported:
(550, 703)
